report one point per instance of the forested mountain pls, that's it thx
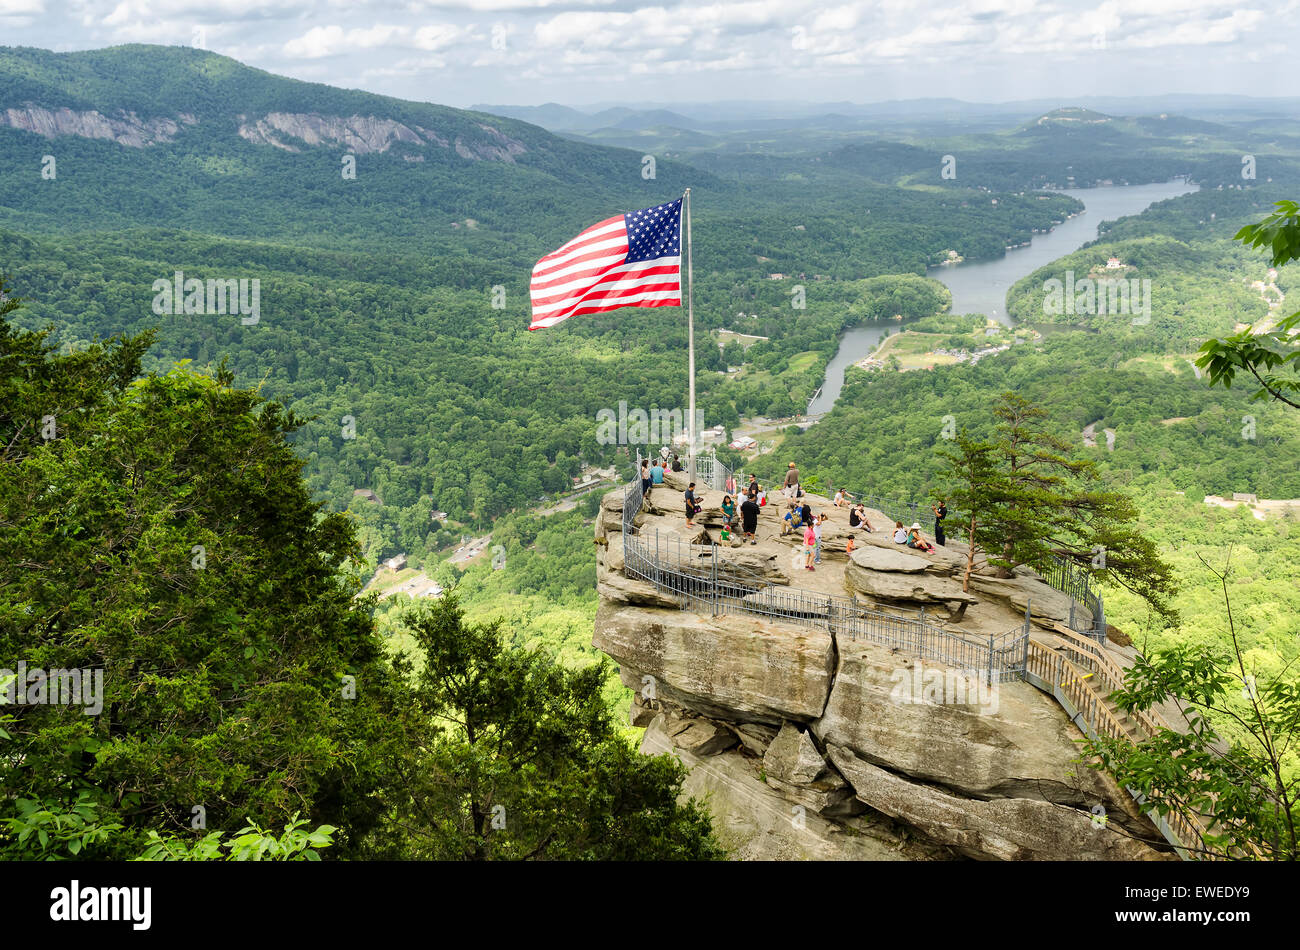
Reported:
(377, 292)
(392, 242)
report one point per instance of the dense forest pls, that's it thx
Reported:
(390, 354)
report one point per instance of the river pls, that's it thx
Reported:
(981, 286)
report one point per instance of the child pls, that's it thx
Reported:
(809, 543)
(725, 536)
(848, 548)
(817, 535)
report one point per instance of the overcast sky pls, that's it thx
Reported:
(461, 52)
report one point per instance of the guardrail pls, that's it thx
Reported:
(1063, 575)
(699, 576)
(1078, 672)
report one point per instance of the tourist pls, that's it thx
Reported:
(753, 484)
(793, 518)
(817, 533)
(656, 473)
(900, 533)
(791, 481)
(839, 498)
(728, 509)
(645, 478)
(809, 546)
(858, 518)
(749, 516)
(692, 505)
(940, 512)
(808, 516)
(677, 463)
(914, 539)
(848, 546)
(724, 536)
(730, 485)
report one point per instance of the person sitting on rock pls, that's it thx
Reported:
(900, 533)
(793, 518)
(858, 519)
(914, 540)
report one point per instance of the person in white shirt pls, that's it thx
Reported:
(817, 536)
(900, 533)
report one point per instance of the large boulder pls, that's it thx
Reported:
(1007, 741)
(906, 588)
(898, 560)
(741, 668)
(1007, 829)
(793, 757)
(756, 822)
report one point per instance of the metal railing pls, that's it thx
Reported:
(701, 577)
(1062, 574)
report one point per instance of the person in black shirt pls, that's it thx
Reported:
(749, 516)
(753, 486)
(692, 506)
(940, 512)
(677, 463)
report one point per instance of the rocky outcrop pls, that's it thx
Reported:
(1007, 829)
(126, 128)
(807, 743)
(740, 668)
(366, 135)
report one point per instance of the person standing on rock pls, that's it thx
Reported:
(791, 481)
(645, 478)
(692, 506)
(940, 512)
(817, 535)
(749, 516)
(730, 485)
(753, 485)
(809, 546)
(728, 510)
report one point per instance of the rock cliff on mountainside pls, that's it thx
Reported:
(808, 743)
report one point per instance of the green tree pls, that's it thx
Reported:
(168, 544)
(1272, 357)
(1241, 788)
(522, 760)
(1033, 502)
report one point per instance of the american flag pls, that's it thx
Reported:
(632, 260)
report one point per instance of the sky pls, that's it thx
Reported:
(579, 52)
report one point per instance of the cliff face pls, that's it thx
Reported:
(127, 128)
(808, 740)
(292, 132)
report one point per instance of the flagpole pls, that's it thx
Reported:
(690, 335)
